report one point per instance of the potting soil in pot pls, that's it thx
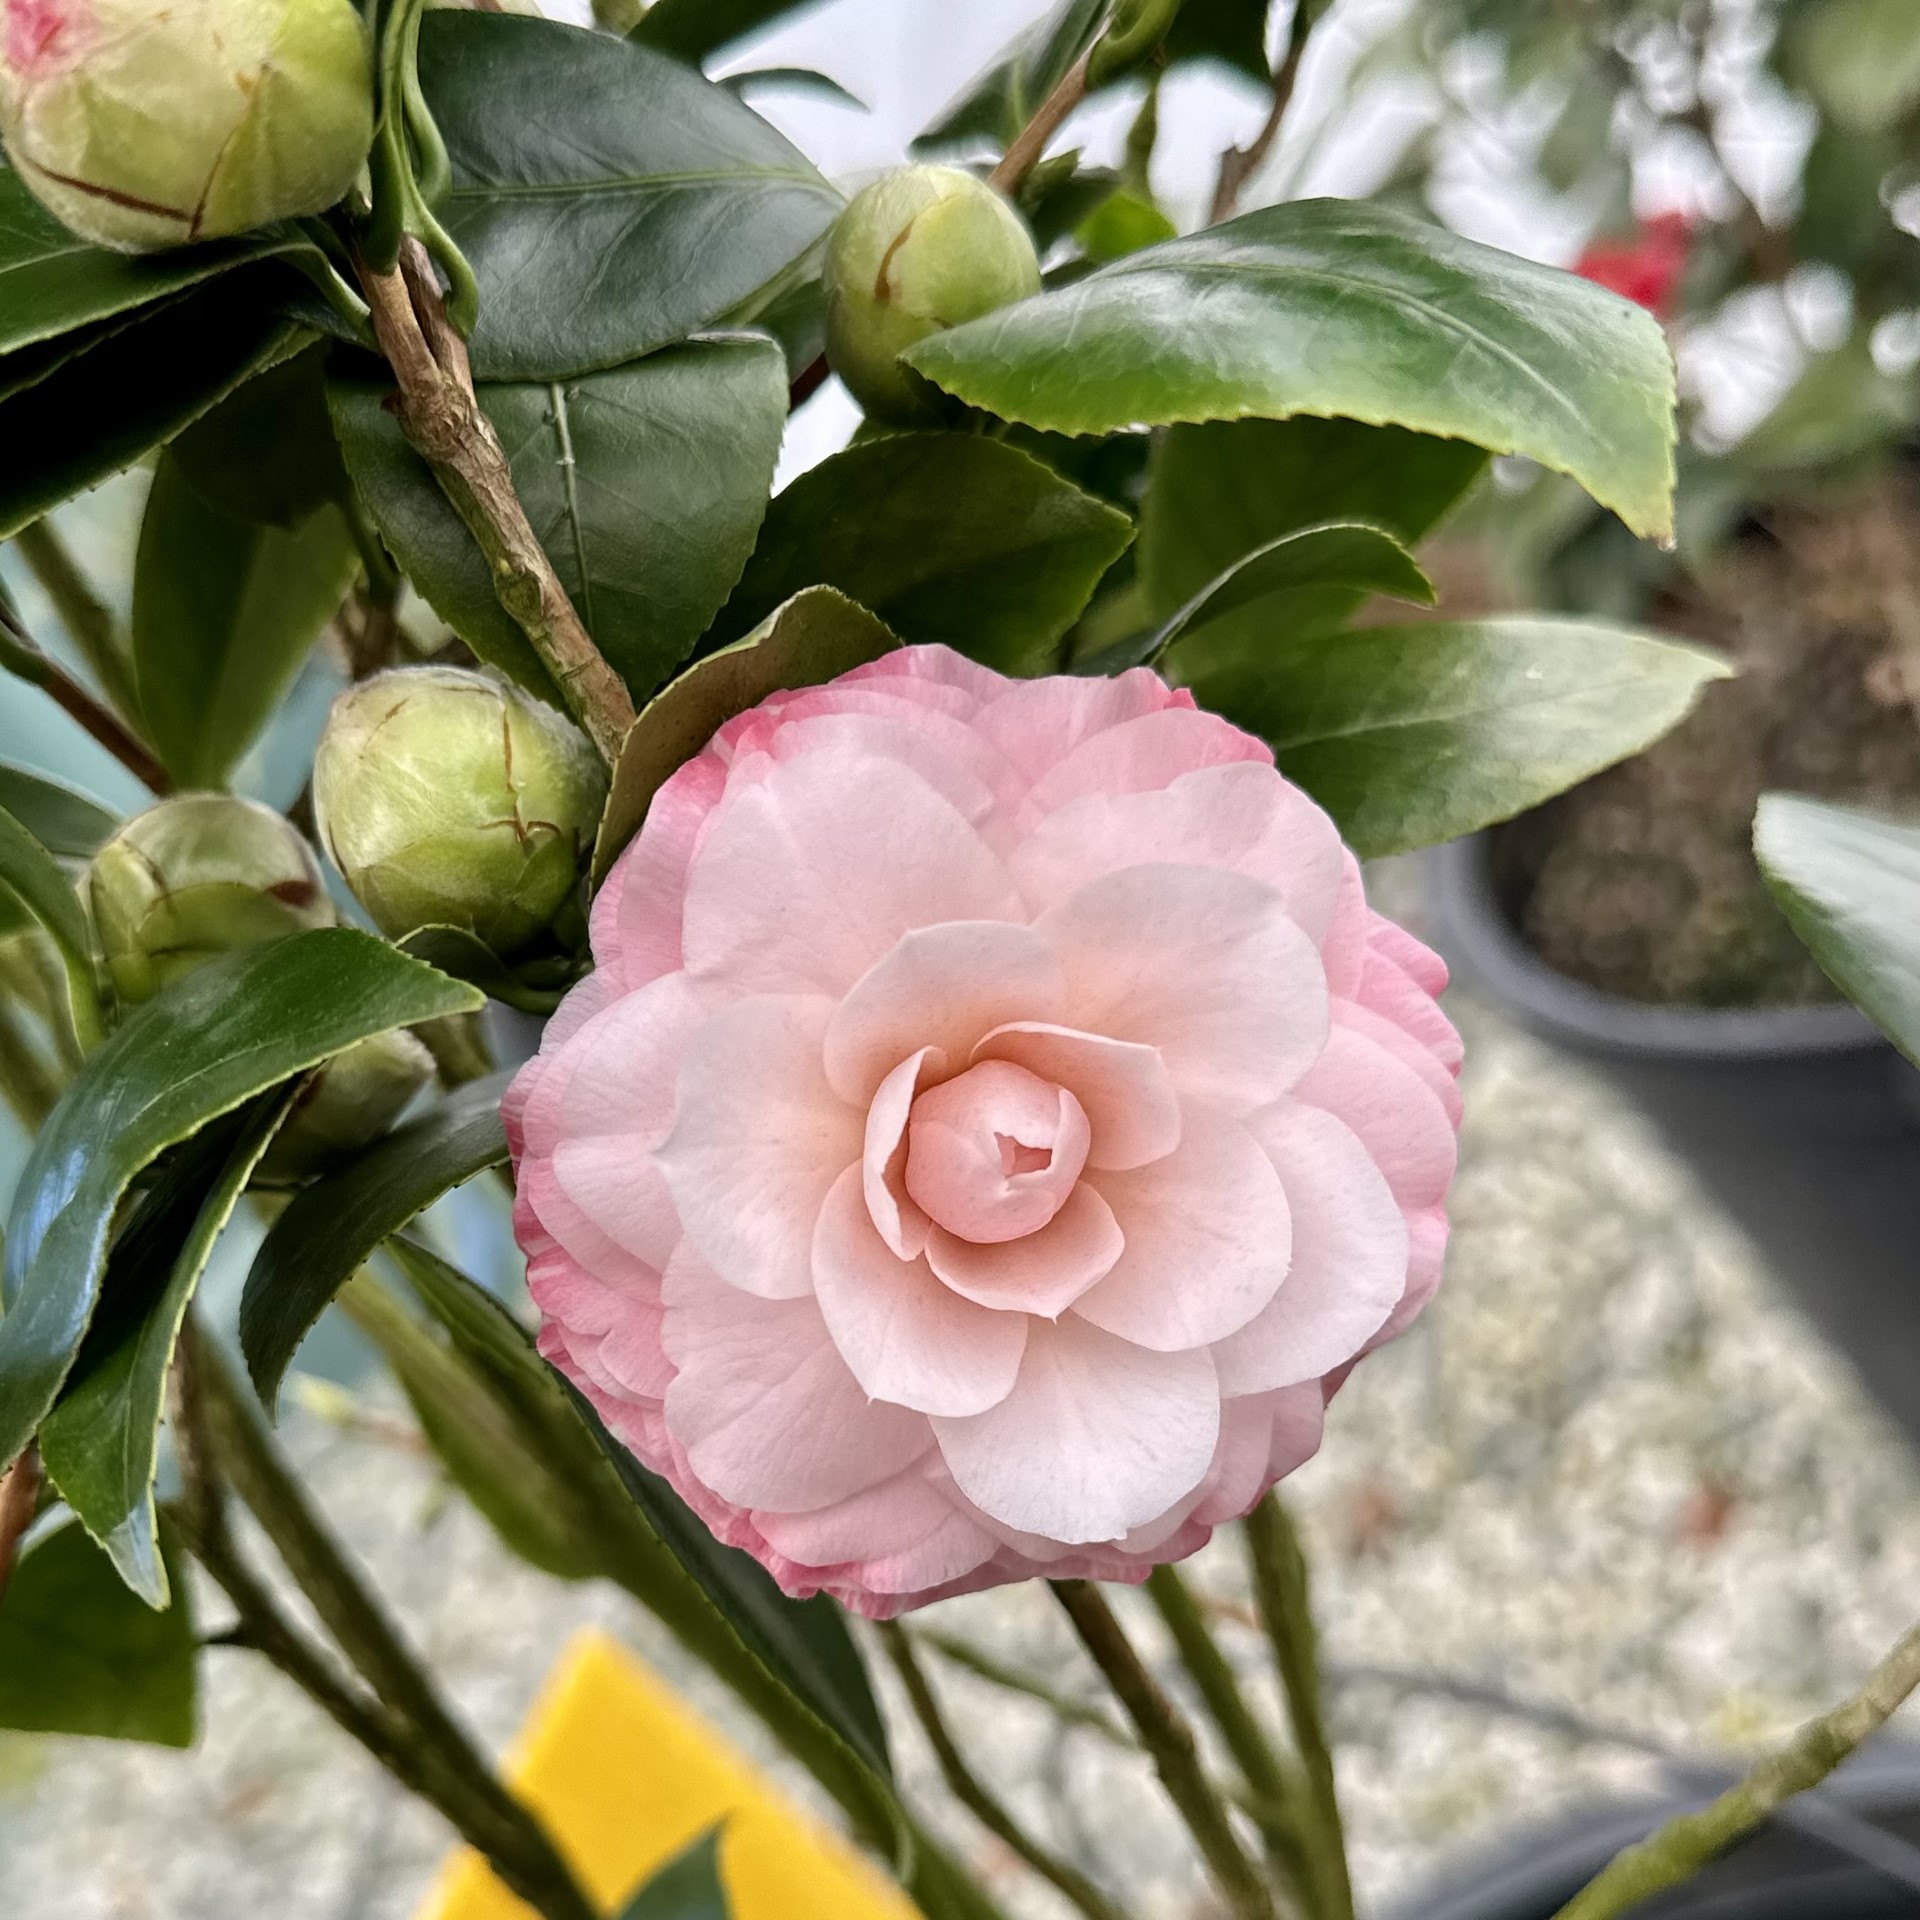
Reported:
(1642, 882)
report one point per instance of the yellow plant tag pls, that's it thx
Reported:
(625, 1775)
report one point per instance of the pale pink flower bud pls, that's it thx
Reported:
(142, 125)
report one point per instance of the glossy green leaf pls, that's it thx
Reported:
(535, 988)
(610, 199)
(1860, 59)
(947, 537)
(816, 636)
(209, 1043)
(646, 485)
(1286, 575)
(80, 1654)
(33, 876)
(692, 29)
(1849, 881)
(688, 1887)
(267, 451)
(99, 1445)
(794, 80)
(52, 282)
(1411, 735)
(331, 1227)
(111, 406)
(1340, 308)
(1217, 491)
(69, 824)
(517, 1487)
(27, 366)
(224, 612)
(721, 1603)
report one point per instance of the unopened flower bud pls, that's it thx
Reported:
(141, 125)
(924, 249)
(451, 798)
(354, 1099)
(198, 875)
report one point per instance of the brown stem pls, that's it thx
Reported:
(78, 704)
(442, 417)
(24, 659)
(86, 617)
(1238, 165)
(965, 1786)
(1168, 1737)
(807, 382)
(1023, 156)
(19, 1501)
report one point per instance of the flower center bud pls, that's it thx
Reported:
(994, 1153)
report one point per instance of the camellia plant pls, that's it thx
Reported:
(980, 1121)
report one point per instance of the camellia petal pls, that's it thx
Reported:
(907, 1338)
(1208, 1239)
(759, 1140)
(940, 986)
(1349, 1263)
(768, 1411)
(1044, 1272)
(1096, 1437)
(1205, 965)
(883, 1158)
(795, 890)
(1125, 1089)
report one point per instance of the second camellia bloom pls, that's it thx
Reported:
(995, 1124)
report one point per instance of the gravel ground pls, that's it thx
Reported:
(1611, 1471)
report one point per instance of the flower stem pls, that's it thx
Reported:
(443, 419)
(1074, 1713)
(966, 1787)
(22, 657)
(1280, 1592)
(1168, 1737)
(1238, 165)
(87, 618)
(1684, 1845)
(405, 1725)
(1030, 143)
(1276, 1787)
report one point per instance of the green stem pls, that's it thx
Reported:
(966, 1787)
(87, 618)
(27, 1083)
(1678, 1850)
(444, 1759)
(1076, 1713)
(1168, 1738)
(1276, 1788)
(1280, 1593)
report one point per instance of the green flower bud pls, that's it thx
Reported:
(141, 125)
(450, 798)
(917, 252)
(354, 1099)
(195, 876)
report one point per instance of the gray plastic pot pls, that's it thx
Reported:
(1803, 1122)
(1864, 1870)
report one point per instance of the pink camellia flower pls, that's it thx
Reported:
(996, 1124)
